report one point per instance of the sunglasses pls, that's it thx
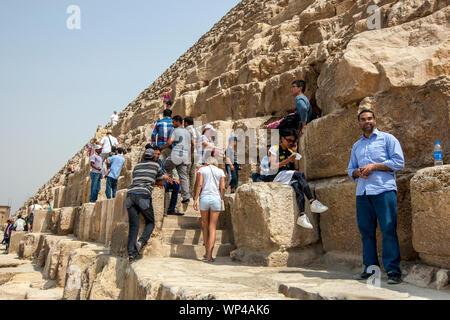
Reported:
(289, 140)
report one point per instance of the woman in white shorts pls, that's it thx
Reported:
(209, 191)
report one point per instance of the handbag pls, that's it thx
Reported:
(222, 203)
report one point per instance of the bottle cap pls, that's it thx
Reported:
(438, 142)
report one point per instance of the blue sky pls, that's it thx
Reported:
(57, 85)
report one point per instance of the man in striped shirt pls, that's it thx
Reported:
(163, 129)
(146, 174)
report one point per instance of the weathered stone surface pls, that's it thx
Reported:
(264, 219)
(428, 105)
(442, 279)
(82, 223)
(430, 189)
(338, 226)
(28, 246)
(110, 282)
(58, 258)
(406, 58)
(42, 221)
(421, 276)
(66, 221)
(16, 237)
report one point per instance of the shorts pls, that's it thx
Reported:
(31, 218)
(168, 102)
(209, 202)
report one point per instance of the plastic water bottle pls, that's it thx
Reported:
(438, 159)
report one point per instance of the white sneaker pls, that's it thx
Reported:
(318, 207)
(303, 221)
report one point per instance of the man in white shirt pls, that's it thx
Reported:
(19, 225)
(108, 142)
(114, 118)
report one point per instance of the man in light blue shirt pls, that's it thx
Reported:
(303, 108)
(117, 162)
(375, 159)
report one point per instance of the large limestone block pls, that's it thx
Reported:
(109, 283)
(107, 210)
(398, 112)
(58, 259)
(430, 198)
(47, 242)
(330, 157)
(28, 246)
(338, 226)
(82, 221)
(59, 197)
(42, 221)
(16, 237)
(264, 218)
(410, 55)
(66, 221)
(119, 214)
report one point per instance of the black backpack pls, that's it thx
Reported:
(291, 121)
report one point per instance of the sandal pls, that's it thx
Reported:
(212, 260)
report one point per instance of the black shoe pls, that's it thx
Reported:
(185, 201)
(362, 276)
(394, 279)
(139, 246)
(134, 258)
(176, 213)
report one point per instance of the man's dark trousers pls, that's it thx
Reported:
(384, 208)
(135, 204)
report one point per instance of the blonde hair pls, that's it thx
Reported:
(212, 161)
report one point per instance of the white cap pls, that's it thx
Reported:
(208, 126)
(97, 147)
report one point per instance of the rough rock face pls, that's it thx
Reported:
(238, 75)
(430, 189)
(264, 223)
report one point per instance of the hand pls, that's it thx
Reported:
(302, 131)
(367, 170)
(176, 181)
(231, 167)
(294, 147)
(196, 204)
(292, 158)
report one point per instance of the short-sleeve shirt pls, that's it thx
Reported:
(303, 109)
(35, 207)
(211, 180)
(205, 151)
(19, 225)
(117, 162)
(107, 145)
(145, 174)
(181, 151)
(97, 160)
(282, 155)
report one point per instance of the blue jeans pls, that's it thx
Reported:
(381, 207)
(175, 187)
(233, 181)
(139, 204)
(95, 186)
(111, 184)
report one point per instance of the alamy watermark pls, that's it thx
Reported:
(74, 278)
(374, 281)
(73, 22)
(374, 20)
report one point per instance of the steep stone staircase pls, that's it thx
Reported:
(183, 238)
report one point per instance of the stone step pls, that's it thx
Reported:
(194, 236)
(192, 251)
(184, 222)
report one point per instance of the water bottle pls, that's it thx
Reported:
(438, 159)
